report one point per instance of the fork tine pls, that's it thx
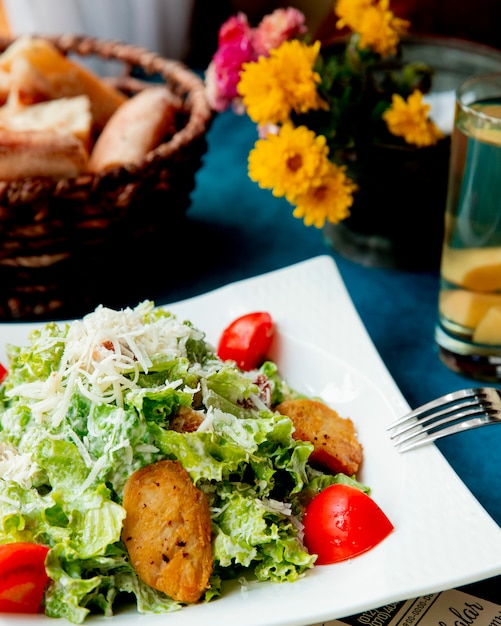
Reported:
(451, 430)
(452, 413)
(449, 413)
(448, 398)
(428, 426)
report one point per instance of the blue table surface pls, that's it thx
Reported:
(237, 230)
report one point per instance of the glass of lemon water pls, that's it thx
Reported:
(468, 332)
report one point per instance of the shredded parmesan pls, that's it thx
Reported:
(276, 506)
(16, 467)
(104, 354)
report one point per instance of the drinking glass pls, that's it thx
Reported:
(468, 333)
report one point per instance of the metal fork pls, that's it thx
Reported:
(453, 413)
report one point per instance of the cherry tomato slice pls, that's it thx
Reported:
(22, 577)
(342, 522)
(3, 373)
(247, 340)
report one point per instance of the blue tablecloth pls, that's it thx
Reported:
(235, 230)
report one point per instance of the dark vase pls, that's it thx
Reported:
(397, 216)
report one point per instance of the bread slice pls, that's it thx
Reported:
(65, 115)
(24, 154)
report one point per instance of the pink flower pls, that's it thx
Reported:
(235, 30)
(217, 100)
(223, 73)
(281, 25)
(238, 43)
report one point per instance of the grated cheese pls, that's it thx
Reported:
(16, 467)
(104, 354)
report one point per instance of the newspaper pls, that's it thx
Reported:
(448, 608)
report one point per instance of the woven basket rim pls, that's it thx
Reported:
(173, 72)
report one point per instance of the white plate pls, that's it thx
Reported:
(442, 538)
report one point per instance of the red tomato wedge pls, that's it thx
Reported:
(247, 340)
(342, 522)
(3, 373)
(22, 577)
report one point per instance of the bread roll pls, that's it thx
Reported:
(25, 154)
(137, 127)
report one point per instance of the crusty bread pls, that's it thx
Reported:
(65, 115)
(39, 71)
(138, 126)
(26, 86)
(25, 154)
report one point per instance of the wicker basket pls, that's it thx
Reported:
(70, 244)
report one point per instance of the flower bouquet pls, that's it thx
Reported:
(321, 110)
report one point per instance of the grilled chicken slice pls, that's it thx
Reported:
(167, 530)
(336, 447)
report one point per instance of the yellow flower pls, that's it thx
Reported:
(262, 93)
(376, 25)
(409, 119)
(285, 81)
(290, 161)
(328, 200)
(350, 12)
